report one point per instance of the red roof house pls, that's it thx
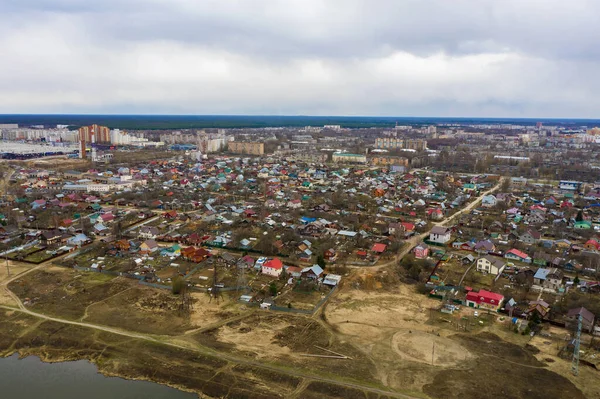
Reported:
(484, 299)
(272, 267)
(379, 248)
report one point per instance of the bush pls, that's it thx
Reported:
(423, 289)
(177, 285)
(273, 289)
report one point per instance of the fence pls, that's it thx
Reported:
(294, 310)
(154, 285)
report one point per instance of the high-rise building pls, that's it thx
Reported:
(101, 134)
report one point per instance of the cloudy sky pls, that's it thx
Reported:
(508, 58)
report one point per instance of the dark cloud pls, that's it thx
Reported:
(302, 56)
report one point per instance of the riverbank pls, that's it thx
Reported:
(30, 377)
(135, 359)
(106, 368)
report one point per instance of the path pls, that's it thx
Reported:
(208, 351)
(465, 273)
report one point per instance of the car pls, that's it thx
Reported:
(476, 314)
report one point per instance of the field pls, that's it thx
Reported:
(387, 340)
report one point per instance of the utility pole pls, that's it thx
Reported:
(577, 343)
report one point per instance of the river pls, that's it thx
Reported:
(30, 378)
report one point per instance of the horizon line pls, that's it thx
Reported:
(304, 116)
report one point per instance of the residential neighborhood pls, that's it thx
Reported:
(283, 235)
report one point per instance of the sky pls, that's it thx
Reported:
(463, 58)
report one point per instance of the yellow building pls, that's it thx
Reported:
(243, 147)
(349, 158)
(389, 160)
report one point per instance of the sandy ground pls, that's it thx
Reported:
(390, 328)
(205, 312)
(14, 267)
(368, 314)
(256, 338)
(429, 348)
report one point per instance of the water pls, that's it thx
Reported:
(30, 378)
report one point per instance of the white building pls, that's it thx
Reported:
(491, 265)
(440, 234)
(118, 137)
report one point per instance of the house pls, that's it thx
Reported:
(515, 254)
(78, 240)
(466, 260)
(246, 262)
(541, 307)
(463, 246)
(484, 299)
(170, 215)
(149, 246)
(332, 280)
(294, 271)
(421, 251)
(440, 235)
(101, 229)
(548, 278)
(485, 246)
(148, 232)
(592, 245)
(330, 255)
(123, 245)
(435, 214)
(489, 201)
(172, 251)
(294, 204)
(408, 227)
(272, 267)
(50, 237)
(196, 255)
(314, 272)
(491, 265)
(531, 236)
(535, 218)
(107, 217)
(395, 228)
(201, 254)
(379, 248)
(583, 225)
(554, 280)
(587, 319)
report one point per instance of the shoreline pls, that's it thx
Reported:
(45, 358)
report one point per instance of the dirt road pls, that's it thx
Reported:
(206, 351)
(413, 241)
